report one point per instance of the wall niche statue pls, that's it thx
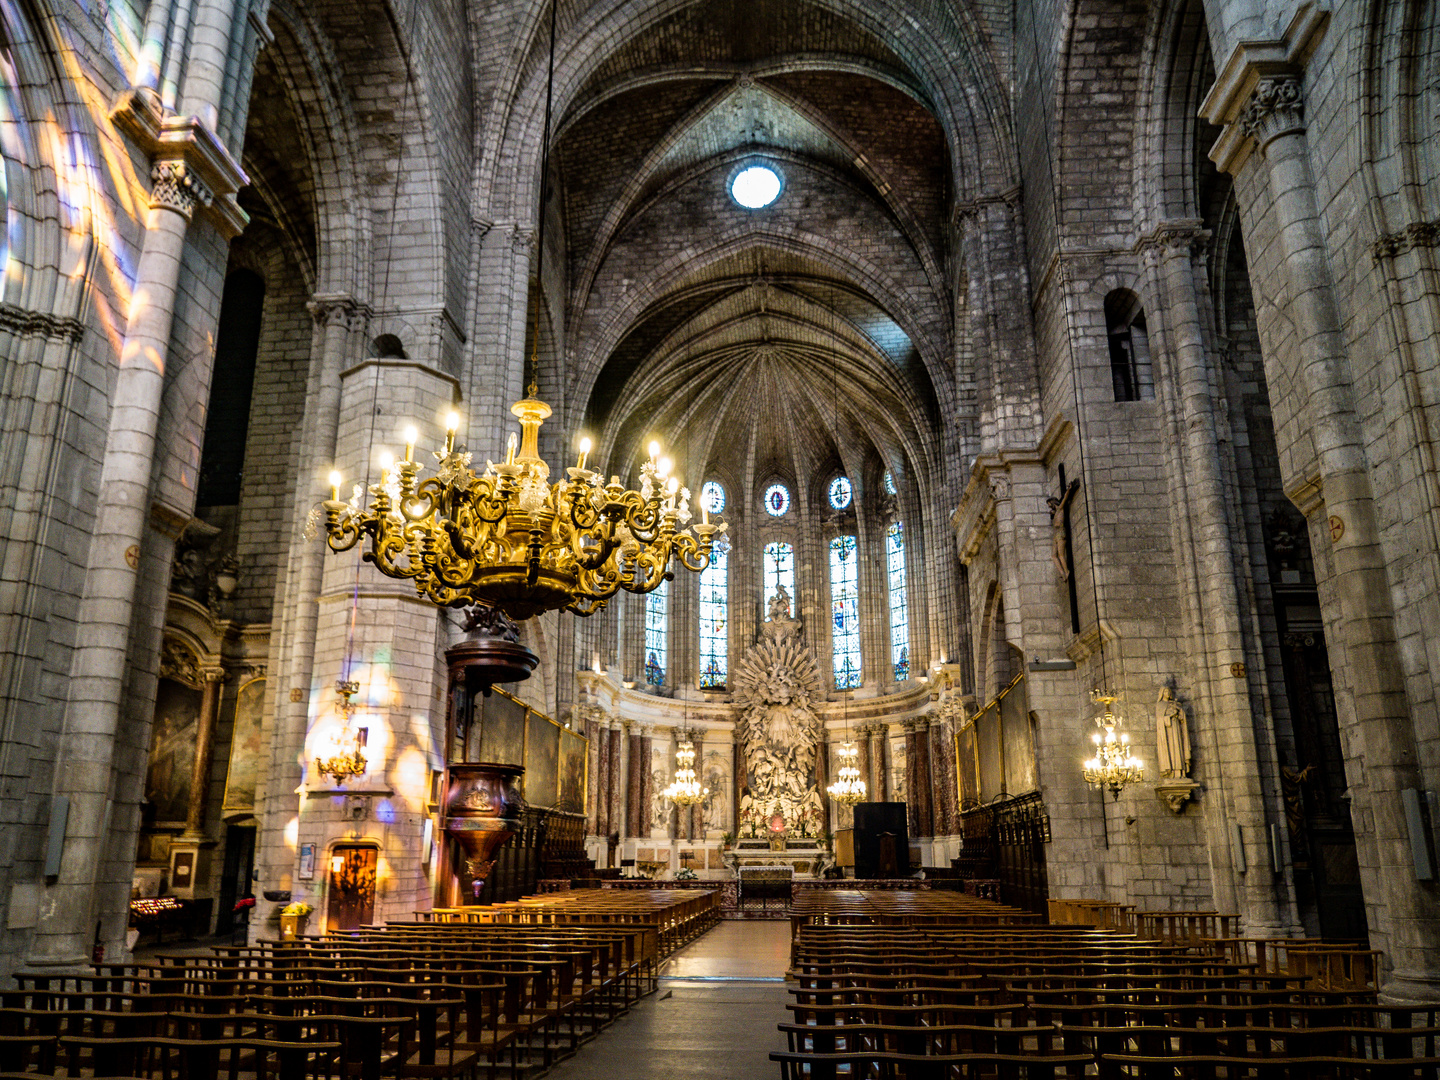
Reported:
(777, 684)
(1172, 752)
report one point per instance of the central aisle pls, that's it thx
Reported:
(713, 1017)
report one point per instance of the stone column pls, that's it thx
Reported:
(697, 812)
(1262, 104)
(647, 777)
(737, 771)
(942, 772)
(602, 778)
(922, 794)
(1201, 506)
(862, 762)
(633, 780)
(616, 793)
(822, 777)
(204, 737)
(912, 780)
(592, 716)
(85, 753)
(878, 780)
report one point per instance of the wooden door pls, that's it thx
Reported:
(351, 894)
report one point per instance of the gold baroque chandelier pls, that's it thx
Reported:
(1113, 765)
(509, 539)
(685, 789)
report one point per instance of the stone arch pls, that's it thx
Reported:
(972, 112)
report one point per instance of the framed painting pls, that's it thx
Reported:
(502, 729)
(574, 766)
(542, 760)
(245, 748)
(172, 750)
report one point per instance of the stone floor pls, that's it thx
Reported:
(713, 1017)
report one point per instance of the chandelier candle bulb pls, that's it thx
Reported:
(452, 424)
(411, 435)
(335, 479)
(584, 452)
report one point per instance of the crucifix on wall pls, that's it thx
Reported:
(1061, 549)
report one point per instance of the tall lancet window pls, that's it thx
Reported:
(657, 633)
(845, 612)
(899, 607)
(715, 621)
(779, 573)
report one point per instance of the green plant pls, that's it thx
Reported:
(685, 874)
(727, 838)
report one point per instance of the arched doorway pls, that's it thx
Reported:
(350, 898)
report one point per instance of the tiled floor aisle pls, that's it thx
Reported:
(699, 1030)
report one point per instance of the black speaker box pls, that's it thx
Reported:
(882, 841)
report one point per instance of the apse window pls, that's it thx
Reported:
(845, 611)
(841, 493)
(657, 627)
(755, 187)
(712, 496)
(777, 500)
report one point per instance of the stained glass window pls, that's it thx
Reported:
(712, 496)
(657, 627)
(845, 611)
(715, 621)
(840, 492)
(899, 608)
(779, 571)
(777, 500)
(889, 482)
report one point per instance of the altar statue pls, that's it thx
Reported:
(780, 605)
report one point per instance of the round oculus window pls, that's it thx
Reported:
(755, 187)
(777, 500)
(840, 493)
(712, 496)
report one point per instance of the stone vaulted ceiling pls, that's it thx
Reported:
(810, 335)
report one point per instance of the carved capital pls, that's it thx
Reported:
(177, 187)
(24, 323)
(212, 673)
(1419, 234)
(342, 311)
(1185, 236)
(1276, 107)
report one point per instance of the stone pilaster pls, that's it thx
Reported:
(638, 767)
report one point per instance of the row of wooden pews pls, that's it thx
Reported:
(990, 992)
(429, 999)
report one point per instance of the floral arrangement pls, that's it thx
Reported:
(685, 874)
(299, 907)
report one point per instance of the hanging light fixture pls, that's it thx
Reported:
(685, 789)
(346, 759)
(848, 788)
(1113, 765)
(508, 539)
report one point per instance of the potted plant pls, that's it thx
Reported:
(685, 873)
(292, 920)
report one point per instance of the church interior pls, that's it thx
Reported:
(857, 480)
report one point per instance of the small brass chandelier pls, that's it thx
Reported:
(347, 757)
(510, 540)
(1113, 766)
(685, 789)
(848, 788)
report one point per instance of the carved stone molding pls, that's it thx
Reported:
(1418, 234)
(178, 188)
(23, 323)
(1175, 793)
(179, 663)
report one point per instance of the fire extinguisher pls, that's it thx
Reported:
(97, 950)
